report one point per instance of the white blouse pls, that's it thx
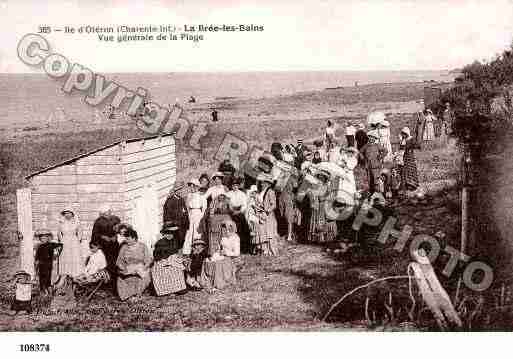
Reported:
(215, 191)
(96, 263)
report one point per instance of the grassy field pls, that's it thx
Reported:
(288, 292)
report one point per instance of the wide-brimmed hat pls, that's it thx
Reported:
(406, 131)
(22, 272)
(67, 209)
(373, 134)
(375, 117)
(264, 177)
(105, 208)
(237, 180)
(323, 173)
(194, 181)
(196, 242)
(43, 232)
(169, 227)
(218, 174)
(350, 149)
(385, 123)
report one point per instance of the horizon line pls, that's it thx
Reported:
(242, 71)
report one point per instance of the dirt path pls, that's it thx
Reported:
(287, 292)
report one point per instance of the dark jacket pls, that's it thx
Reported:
(374, 153)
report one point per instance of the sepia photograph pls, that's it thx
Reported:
(243, 166)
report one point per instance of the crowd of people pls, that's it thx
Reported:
(236, 210)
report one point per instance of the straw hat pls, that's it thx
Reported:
(406, 131)
(67, 209)
(198, 241)
(373, 134)
(104, 208)
(264, 177)
(195, 182)
(350, 149)
(218, 174)
(375, 117)
(43, 232)
(323, 173)
(169, 227)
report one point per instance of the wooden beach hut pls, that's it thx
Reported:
(133, 176)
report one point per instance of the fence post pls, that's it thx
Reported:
(24, 208)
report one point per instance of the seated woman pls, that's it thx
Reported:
(168, 269)
(96, 264)
(133, 265)
(218, 270)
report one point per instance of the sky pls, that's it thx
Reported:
(298, 35)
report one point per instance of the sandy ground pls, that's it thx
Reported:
(342, 103)
(288, 292)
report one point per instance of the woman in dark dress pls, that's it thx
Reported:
(409, 173)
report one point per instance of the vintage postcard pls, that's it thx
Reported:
(254, 166)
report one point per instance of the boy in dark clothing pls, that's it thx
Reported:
(45, 255)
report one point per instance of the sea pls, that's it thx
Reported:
(33, 98)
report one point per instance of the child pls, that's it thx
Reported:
(251, 216)
(230, 241)
(46, 253)
(23, 298)
(198, 255)
(95, 263)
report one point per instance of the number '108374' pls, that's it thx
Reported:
(34, 347)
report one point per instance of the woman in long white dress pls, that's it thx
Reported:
(429, 129)
(70, 260)
(196, 204)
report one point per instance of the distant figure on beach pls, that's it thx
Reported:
(356, 84)
(192, 99)
(214, 116)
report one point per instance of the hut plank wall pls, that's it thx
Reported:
(153, 163)
(115, 175)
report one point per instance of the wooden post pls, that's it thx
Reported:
(464, 220)
(24, 209)
(434, 295)
(466, 176)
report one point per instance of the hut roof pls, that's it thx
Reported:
(73, 159)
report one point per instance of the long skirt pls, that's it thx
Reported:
(375, 183)
(194, 232)
(70, 260)
(429, 132)
(265, 240)
(218, 274)
(132, 285)
(409, 176)
(320, 229)
(243, 231)
(167, 279)
(214, 232)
